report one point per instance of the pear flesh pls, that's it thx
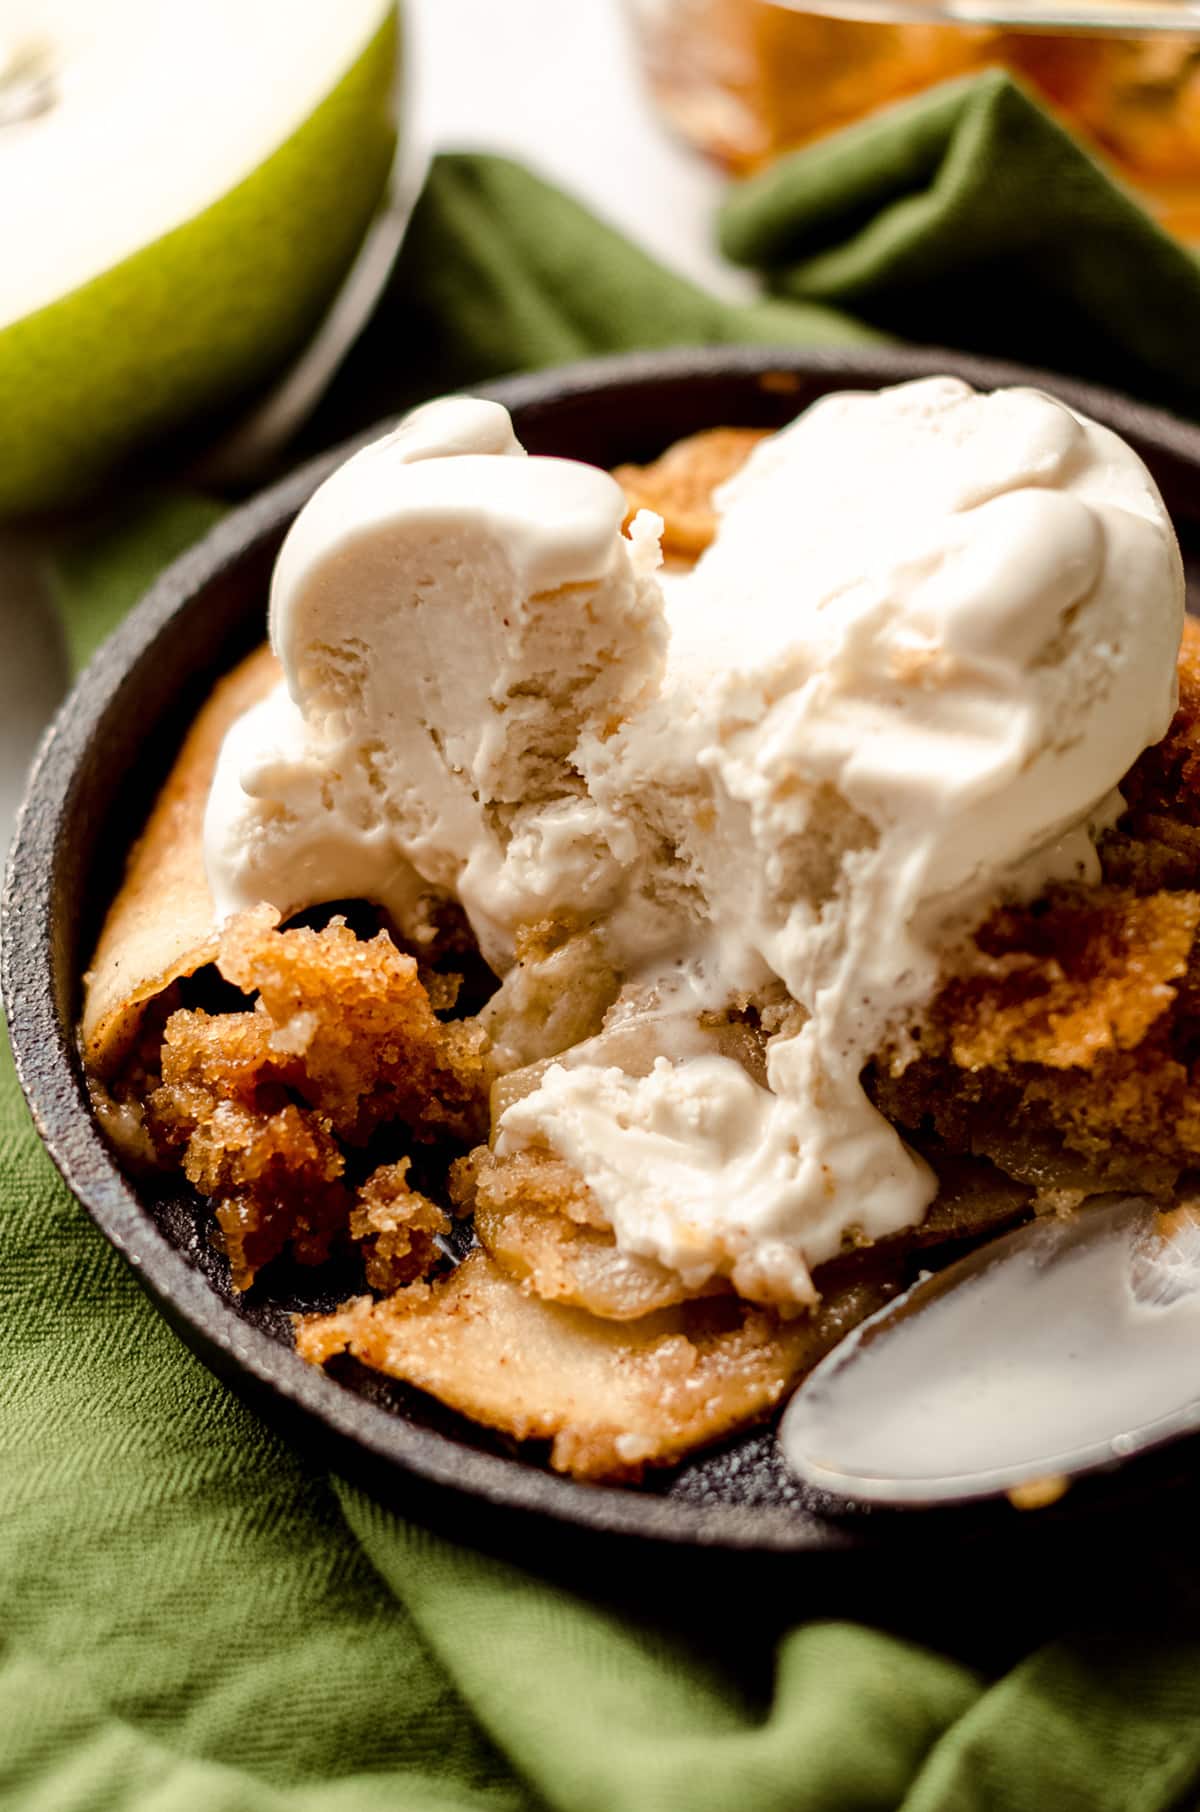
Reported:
(182, 191)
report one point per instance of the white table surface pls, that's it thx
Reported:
(552, 82)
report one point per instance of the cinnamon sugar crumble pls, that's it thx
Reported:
(264, 1108)
(679, 485)
(1067, 1047)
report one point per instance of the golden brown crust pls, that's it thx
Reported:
(160, 926)
(539, 1179)
(263, 1107)
(679, 485)
(1064, 1047)
(352, 1028)
(1085, 972)
(397, 1228)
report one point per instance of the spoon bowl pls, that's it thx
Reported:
(1060, 1348)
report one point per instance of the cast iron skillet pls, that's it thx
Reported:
(112, 743)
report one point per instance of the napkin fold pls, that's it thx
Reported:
(196, 1617)
(969, 218)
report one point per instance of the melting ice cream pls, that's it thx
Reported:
(933, 632)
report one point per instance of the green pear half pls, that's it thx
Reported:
(182, 190)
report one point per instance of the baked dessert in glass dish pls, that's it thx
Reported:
(633, 913)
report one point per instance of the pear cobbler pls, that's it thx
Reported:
(637, 914)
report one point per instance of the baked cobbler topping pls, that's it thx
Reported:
(815, 930)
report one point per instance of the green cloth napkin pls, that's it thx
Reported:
(969, 218)
(197, 1620)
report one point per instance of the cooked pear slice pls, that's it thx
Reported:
(611, 1397)
(560, 1261)
(161, 924)
(541, 1223)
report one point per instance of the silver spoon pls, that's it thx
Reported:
(1066, 1345)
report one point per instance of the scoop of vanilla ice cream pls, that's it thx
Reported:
(933, 632)
(450, 616)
